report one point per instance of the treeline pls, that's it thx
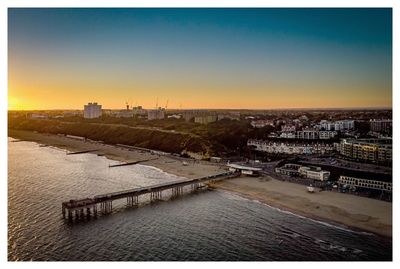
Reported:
(222, 138)
(110, 134)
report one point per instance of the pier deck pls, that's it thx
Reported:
(78, 207)
(131, 163)
(82, 152)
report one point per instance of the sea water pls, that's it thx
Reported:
(203, 226)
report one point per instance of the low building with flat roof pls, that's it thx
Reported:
(310, 172)
(346, 181)
(314, 172)
(245, 170)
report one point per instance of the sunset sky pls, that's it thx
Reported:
(200, 58)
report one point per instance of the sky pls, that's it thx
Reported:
(200, 58)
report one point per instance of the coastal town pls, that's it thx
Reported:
(332, 150)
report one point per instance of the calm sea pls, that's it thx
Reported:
(205, 226)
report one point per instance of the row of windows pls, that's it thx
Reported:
(374, 186)
(363, 182)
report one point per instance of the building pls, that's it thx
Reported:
(156, 114)
(126, 113)
(314, 172)
(38, 116)
(189, 115)
(92, 111)
(290, 148)
(206, 119)
(138, 111)
(370, 150)
(341, 125)
(327, 125)
(310, 172)
(307, 134)
(303, 118)
(231, 116)
(327, 134)
(345, 125)
(290, 135)
(262, 123)
(288, 128)
(289, 169)
(174, 116)
(244, 170)
(381, 126)
(353, 182)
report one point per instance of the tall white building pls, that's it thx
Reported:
(346, 124)
(92, 111)
(156, 114)
(307, 134)
(340, 125)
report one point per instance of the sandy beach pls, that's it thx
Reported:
(353, 211)
(165, 163)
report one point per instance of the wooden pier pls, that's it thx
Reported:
(81, 152)
(131, 163)
(87, 207)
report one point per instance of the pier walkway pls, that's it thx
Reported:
(81, 208)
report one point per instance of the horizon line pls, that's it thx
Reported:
(250, 109)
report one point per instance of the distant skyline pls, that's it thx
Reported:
(225, 58)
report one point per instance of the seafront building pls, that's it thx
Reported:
(314, 172)
(290, 148)
(92, 111)
(289, 169)
(371, 150)
(351, 182)
(310, 172)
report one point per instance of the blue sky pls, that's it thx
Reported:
(201, 58)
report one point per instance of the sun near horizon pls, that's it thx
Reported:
(199, 58)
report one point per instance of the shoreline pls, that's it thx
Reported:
(166, 163)
(375, 219)
(286, 210)
(357, 213)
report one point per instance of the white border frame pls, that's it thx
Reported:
(5, 4)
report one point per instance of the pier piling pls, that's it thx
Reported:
(75, 209)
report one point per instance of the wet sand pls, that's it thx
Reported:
(353, 211)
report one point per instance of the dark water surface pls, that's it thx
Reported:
(209, 225)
